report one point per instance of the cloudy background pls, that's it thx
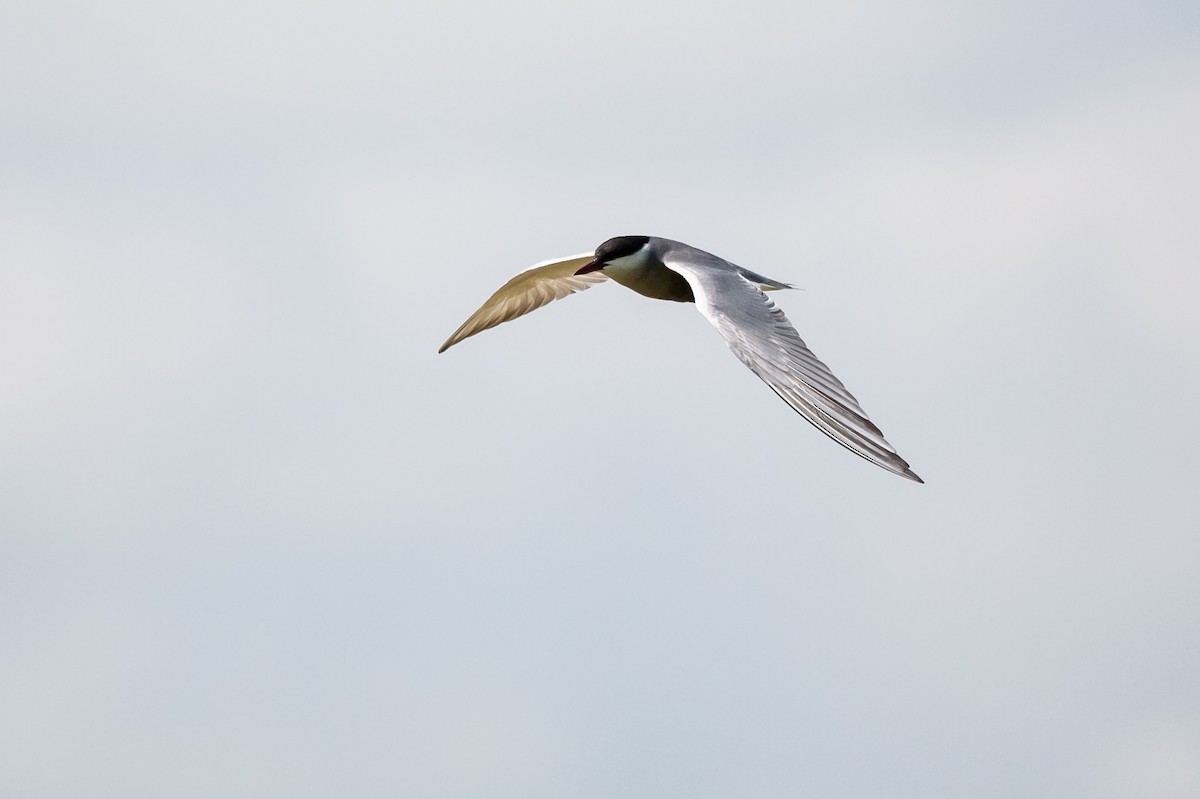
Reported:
(258, 540)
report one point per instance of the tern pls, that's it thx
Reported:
(732, 298)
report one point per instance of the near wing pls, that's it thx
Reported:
(763, 339)
(528, 291)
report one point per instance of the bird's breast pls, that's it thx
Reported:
(654, 281)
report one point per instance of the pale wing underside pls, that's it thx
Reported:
(536, 286)
(763, 339)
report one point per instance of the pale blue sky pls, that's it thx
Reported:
(258, 540)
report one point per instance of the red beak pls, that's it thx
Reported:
(590, 266)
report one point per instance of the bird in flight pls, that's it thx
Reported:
(732, 299)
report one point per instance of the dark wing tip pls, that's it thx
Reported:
(455, 337)
(898, 465)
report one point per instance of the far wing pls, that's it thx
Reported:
(536, 286)
(763, 339)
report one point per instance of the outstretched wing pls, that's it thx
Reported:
(763, 339)
(536, 286)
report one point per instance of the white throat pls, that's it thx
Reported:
(628, 266)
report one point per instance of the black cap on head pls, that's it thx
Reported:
(619, 247)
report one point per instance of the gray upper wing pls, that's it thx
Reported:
(763, 339)
(536, 286)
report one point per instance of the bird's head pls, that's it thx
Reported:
(622, 252)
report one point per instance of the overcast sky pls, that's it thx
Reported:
(258, 540)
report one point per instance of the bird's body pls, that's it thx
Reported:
(732, 299)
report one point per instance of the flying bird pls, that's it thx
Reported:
(732, 299)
